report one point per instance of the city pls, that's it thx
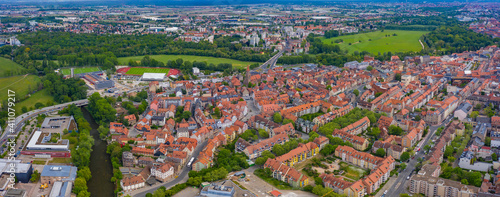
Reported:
(194, 98)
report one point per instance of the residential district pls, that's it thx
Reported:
(416, 125)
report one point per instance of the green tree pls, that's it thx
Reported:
(277, 117)
(474, 114)
(494, 157)
(487, 141)
(263, 133)
(369, 68)
(380, 152)
(80, 185)
(84, 173)
(405, 156)
(355, 92)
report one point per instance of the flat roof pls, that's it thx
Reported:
(60, 171)
(34, 139)
(154, 75)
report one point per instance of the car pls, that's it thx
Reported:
(385, 192)
(407, 178)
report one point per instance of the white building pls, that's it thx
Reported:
(132, 183)
(162, 172)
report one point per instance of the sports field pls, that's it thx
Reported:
(379, 41)
(142, 70)
(67, 71)
(191, 58)
(7, 67)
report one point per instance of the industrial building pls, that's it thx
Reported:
(54, 173)
(98, 82)
(59, 123)
(61, 189)
(23, 171)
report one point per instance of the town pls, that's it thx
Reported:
(254, 100)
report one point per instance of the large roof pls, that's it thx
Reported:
(158, 76)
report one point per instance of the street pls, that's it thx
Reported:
(400, 184)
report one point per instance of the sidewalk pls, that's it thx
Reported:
(387, 186)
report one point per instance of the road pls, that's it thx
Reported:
(271, 62)
(183, 177)
(400, 184)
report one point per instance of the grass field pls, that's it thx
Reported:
(353, 172)
(21, 85)
(67, 71)
(192, 58)
(41, 96)
(140, 71)
(375, 42)
(7, 66)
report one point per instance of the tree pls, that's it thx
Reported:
(369, 68)
(487, 141)
(263, 133)
(85, 173)
(277, 117)
(448, 151)
(24, 109)
(427, 147)
(494, 157)
(217, 111)
(451, 159)
(380, 152)
(402, 166)
(395, 130)
(103, 131)
(474, 114)
(313, 135)
(278, 149)
(35, 177)
(464, 181)
(355, 92)
(405, 156)
(80, 185)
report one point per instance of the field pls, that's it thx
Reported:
(67, 71)
(375, 42)
(41, 96)
(21, 85)
(192, 58)
(7, 66)
(142, 70)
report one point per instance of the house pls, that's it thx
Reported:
(131, 119)
(286, 174)
(118, 128)
(321, 141)
(301, 153)
(162, 172)
(130, 183)
(342, 187)
(256, 150)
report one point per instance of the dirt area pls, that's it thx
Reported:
(189, 191)
(33, 189)
(331, 167)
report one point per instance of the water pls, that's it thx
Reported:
(100, 165)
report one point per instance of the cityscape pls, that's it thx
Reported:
(153, 98)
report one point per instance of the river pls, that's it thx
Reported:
(100, 165)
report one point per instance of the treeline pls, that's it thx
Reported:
(411, 27)
(185, 66)
(64, 90)
(80, 156)
(331, 33)
(71, 49)
(456, 39)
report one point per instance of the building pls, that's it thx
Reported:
(434, 187)
(41, 144)
(98, 82)
(59, 124)
(342, 187)
(301, 153)
(61, 189)
(153, 76)
(462, 111)
(162, 172)
(22, 171)
(224, 189)
(53, 173)
(132, 182)
(128, 159)
(286, 174)
(256, 150)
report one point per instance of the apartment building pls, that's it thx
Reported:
(286, 174)
(433, 187)
(301, 153)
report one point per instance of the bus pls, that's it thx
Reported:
(190, 162)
